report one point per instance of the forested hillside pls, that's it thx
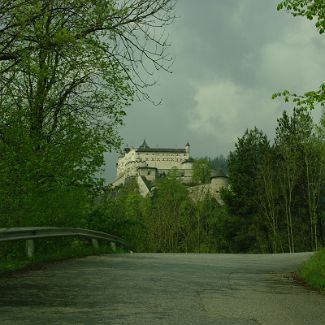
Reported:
(275, 201)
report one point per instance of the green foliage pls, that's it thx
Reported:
(308, 100)
(169, 202)
(312, 10)
(313, 271)
(274, 202)
(217, 163)
(166, 221)
(242, 197)
(300, 166)
(67, 72)
(201, 171)
(275, 190)
(121, 214)
(42, 188)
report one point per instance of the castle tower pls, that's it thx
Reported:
(187, 149)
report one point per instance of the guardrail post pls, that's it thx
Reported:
(113, 246)
(30, 248)
(95, 243)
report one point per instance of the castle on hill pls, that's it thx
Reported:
(152, 163)
(146, 164)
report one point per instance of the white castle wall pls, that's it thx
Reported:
(164, 161)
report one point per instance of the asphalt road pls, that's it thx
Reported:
(162, 289)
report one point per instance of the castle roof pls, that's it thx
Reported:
(161, 150)
(145, 148)
(144, 145)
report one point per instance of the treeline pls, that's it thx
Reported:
(167, 221)
(274, 203)
(218, 163)
(276, 195)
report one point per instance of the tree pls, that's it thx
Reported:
(126, 32)
(169, 203)
(67, 71)
(121, 212)
(201, 171)
(77, 61)
(242, 198)
(300, 173)
(314, 173)
(218, 163)
(288, 163)
(312, 10)
(268, 197)
(321, 207)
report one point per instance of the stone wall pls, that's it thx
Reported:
(199, 192)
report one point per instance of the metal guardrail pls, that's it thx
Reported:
(31, 233)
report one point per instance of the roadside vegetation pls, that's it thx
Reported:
(313, 271)
(68, 70)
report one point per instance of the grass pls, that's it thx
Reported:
(76, 248)
(312, 272)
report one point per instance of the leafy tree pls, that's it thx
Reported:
(321, 207)
(300, 175)
(269, 198)
(75, 63)
(242, 198)
(201, 171)
(312, 10)
(122, 213)
(67, 71)
(314, 174)
(208, 233)
(286, 142)
(168, 205)
(218, 163)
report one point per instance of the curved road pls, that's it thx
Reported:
(162, 289)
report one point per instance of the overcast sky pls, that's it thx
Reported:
(230, 56)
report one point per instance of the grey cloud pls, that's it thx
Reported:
(231, 55)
